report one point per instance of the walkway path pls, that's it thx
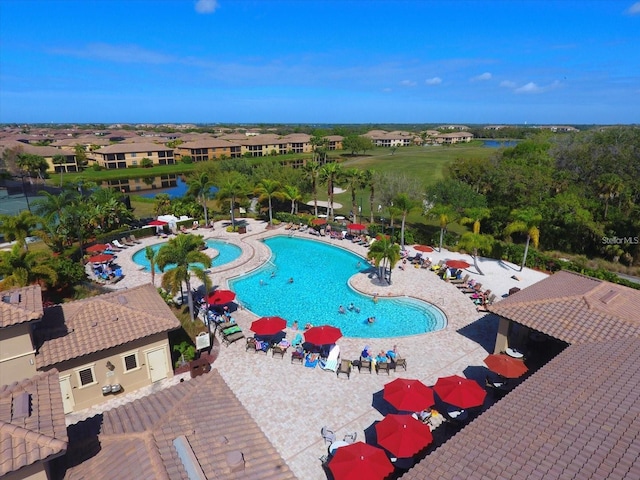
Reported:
(292, 403)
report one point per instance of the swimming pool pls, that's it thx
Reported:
(320, 274)
(227, 252)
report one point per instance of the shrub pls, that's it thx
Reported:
(146, 163)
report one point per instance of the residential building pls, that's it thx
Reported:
(67, 156)
(20, 310)
(209, 149)
(106, 344)
(32, 427)
(124, 155)
(454, 137)
(382, 138)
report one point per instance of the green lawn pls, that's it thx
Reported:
(90, 175)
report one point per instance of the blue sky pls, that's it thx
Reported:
(330, 61)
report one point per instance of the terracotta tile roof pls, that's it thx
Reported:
(20, 305)
(577, 417)
(86, 326)
(37, 432)
(207, 143)
(575, 308)
(143, 146)
(136, 440)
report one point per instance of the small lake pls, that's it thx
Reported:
(148, 187)
(500, 143)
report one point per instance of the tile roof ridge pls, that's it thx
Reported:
(150, 445)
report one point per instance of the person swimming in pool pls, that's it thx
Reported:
(341, 309)
(371, 320)
(351, 306)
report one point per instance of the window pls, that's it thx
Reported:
(130, 361)
(134, 155)
(86, 376)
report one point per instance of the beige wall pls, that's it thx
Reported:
(89, 395)
(17, 356)
(36, 471)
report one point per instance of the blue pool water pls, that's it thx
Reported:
(227, 252)
(320, 273)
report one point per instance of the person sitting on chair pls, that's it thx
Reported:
(366, 353)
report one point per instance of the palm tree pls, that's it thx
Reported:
(394, 212)
(406, 205)
(50, 206)
(183, 251)
(609, 186)
(445, 215)
(18, 227)
(330, 174)
(355, 180)
(312, 173)
(20, 268)
(234, 186)
(266, 190)
(370, 179)
(385, 255)
(200, 187)
(525, 221)
(59, 160)
(474, 242)
(475, 215)
(150, 254)
(292, 193)
(162, 204)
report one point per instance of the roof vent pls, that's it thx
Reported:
(122, 299)
(21, 406)
(95, 323)
(609, 297)
(13, 298)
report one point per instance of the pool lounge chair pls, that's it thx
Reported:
(460, 281)
(331, 363)
(297, 356)
(127, 242)
(400, 362)
(234, 337)
(251, 345)
(133, 239)
(278, 350)
(118, 244)
(365, 364)
(345, 367)
(382, 367)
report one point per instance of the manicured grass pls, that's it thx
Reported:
(90, 175)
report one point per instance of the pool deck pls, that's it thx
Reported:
(290, 402)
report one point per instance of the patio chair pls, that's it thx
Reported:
(118, 244)
(351, 437)
(401, 362)
(382, 367)
(460, 281)
(345, 367)
(251, 345)
(263, 347)
(127, 242)
(234, 337)
(364, 364)
(328, 435)
(297, 356)
(278, 350)
(477, 288)
(133, 239)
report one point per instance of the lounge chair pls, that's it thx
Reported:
(401, 362)
(460, 281)
(297, 356)
(234, 337)
(345, 367)
(278, 350)
(350, 437)
(382, 367)
(328, 435)
(133, 239)
(364, 364)
(477, 288)
(251, 345)
(112, 248)
(331, 363)
(263, 347)
(118, 244)
(127, 242)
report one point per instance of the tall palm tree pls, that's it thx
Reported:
(150, 254)
(386, 255)
(474, 242)
(18, 227)
(20, 268)
(445, 215)
(406, 205)
(609, 186)
(267, 190)
(183, 251)
(370, 179)
(50, 206)
(292, 193)
(525, 220)
(233, 187)
(200, 187)
(330, 174)
(59, 160)
(354, 181)
(475, 215)
(394, 212)
(312, 173)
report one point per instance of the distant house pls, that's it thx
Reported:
(68, 164)
(382, 138)
(124, 155)
(454, 137)
(193, 430)
(32, 427)
(20, 310)
(202, 150)
(106, 344)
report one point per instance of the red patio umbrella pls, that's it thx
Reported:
(403, 435)
(458, 264)
(356, 226)
(98, 247)
(157, 223)
(408, 395)
(220, 297)
(323, 335)
(460, 392)
(505, 365)
(102, 258)
(423, 248)
(360, 460)
(319, 221)
(268, 325)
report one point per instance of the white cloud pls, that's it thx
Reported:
(408, 83)
(634, 9)
(433, 81)
(532, 87)
(482, 77)
(206, 6)
(508, 84)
